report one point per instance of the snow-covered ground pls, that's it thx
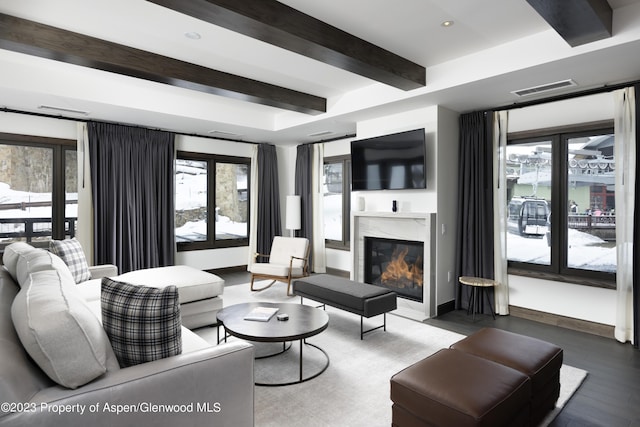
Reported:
(585, 251)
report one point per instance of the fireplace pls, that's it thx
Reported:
(396, 265)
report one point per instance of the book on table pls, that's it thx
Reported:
(261, 314)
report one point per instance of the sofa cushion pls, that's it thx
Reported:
(72, 254)
(12, 254)
(143, 323)
(58, 330)
(41, 260)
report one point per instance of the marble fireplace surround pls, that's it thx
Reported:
(413, 226)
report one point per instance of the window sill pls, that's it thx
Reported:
(577, 280)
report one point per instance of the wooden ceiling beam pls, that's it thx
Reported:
(33, 38)
(577, 21)
(276, 23)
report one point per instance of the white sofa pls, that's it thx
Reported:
(55, 356)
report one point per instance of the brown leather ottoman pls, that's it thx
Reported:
(453, 388)
(539, 360)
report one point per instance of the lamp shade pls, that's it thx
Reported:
(292, 218)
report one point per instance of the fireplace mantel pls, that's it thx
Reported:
(416, 226)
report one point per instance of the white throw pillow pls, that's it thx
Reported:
(12, 254)
(41, 260)
(59, 331)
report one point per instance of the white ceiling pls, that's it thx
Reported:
(493, 48)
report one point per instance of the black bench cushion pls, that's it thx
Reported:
(341, 292)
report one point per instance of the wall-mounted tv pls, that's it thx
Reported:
(389, 162)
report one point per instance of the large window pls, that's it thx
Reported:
(38, 189)
(561, 212)
(212, 201)
(337, 206)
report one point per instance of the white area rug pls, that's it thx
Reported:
(354, 390)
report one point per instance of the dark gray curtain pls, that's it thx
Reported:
(474, 249)
(303, 188)
(132, 179)
(269, 222)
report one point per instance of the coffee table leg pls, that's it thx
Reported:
(301, 360)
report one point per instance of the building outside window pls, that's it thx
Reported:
(38, 189)
(337, 202)
(561, 212)
(212, 201)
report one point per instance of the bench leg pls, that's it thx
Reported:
(383, 326)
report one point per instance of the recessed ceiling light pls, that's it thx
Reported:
(193, 35)
(447, 23)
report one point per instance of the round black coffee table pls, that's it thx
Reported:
(304, 322)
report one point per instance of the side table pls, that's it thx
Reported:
(478, 284)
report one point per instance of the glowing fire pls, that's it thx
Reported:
(400, 273)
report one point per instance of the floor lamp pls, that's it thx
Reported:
(292, 215)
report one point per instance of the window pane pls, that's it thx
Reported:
(71, 192)
(529, 198)
(191, 200)
(333, 176)
(26, 185)
(591, 223)
(231, 201)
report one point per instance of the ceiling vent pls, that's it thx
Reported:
(223, 134)
(545, 88)
(321, 133)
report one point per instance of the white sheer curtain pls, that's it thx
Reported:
(84, 230)
(253, 203)
(319, 254)
(500, 120)
(625, 155)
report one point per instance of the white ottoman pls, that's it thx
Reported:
(200, 292)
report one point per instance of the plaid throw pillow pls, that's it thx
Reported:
(72, 254)
(142, 323)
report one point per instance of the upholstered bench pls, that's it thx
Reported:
(453, 388)
(539, 360)
(359, 298)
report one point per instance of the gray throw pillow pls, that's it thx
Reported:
(142, 323)
(72, 254)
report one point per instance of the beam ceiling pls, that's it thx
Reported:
(276, 23)
(32, 38)
(577, 21)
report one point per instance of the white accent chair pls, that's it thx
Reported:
(289, 259)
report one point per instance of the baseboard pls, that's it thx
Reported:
(339, 273)
(593, 328)
(446, 307)
(234, 269)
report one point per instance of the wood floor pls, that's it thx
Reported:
(610, 395)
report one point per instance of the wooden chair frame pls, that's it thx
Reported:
(286, 279)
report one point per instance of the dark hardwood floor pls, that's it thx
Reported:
(609, 396)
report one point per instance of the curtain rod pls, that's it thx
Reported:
(586, 92)
(73, 119)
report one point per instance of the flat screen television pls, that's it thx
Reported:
(389, 162)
